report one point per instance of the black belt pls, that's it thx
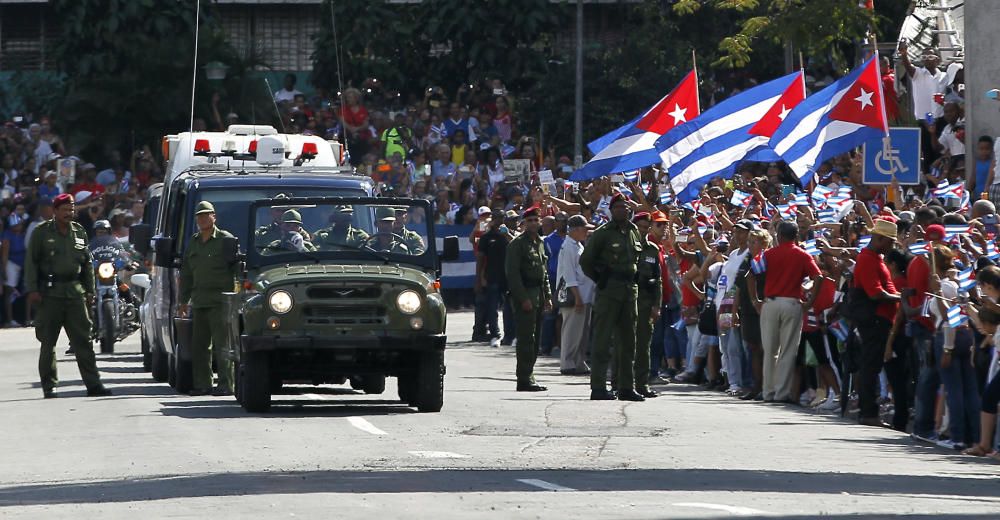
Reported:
(60, 279)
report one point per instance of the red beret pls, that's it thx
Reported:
(62, 198)
(642, 215)
(617, 197)
(934, 232)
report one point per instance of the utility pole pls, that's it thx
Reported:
(578, 125)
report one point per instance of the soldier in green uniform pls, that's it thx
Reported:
(291, 238)
(384, 239)
(269, 233)
(648, 302)
(59, 274)
(610, 258)
(340, 232)
(205, 275)
(527, 280)
(413, 241)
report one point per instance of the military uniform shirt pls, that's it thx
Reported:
(327, 237)
(616, 249)
(650, 284)
(525, 268)
(66, 257)
(205, 275)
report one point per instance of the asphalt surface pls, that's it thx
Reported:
(328, 452)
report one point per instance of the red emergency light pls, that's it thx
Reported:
(202, 146)
(309, 150)
(252, 149)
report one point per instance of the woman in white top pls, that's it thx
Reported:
(572, 284)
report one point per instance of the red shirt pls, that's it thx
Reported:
(787, 264)
(664, 272)
(871, 274)
(827, 289)
(688, 297)
(918, 275)
(889, 92)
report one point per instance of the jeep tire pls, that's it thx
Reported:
(171, 371)
(407, 387)
(184, 380)
(430, 382)
(255, 379)
(373, 384)
(160, 364)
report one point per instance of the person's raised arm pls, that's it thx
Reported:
(905, 56)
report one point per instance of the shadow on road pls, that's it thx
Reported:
(491, 481)
(227, 407)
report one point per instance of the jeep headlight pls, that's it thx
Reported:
(409, 302)
(280, 302)
(105, 270)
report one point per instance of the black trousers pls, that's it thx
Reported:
(900, 377)
(874, 335)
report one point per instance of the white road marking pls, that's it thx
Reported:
(735, 510)
(314, 397)
(548, 486)
(438, 455)
(365, 426)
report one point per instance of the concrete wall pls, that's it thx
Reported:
(982, 70)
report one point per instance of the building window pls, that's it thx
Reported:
(281, 36)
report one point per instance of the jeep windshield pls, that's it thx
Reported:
(340, 229)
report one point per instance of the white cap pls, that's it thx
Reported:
(82, 196)
(484, 210)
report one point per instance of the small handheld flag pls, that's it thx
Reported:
(758, 264)
(956, 317)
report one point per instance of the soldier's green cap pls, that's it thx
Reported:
(385, 214)
(204, 207)
(291, 217)
(345, 209)
(401, 209)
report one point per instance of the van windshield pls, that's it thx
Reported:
(233, 204)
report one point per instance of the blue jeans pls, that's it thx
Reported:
(928, 380)
(962, 393)
(489, 306)
(509, 323)
(667, 341)
(548, 332)
(732, 347)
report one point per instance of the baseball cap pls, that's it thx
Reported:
(81, 196)
(204, 207)
(579, 221)
(745, 224)
(484, 210)
(511, 214)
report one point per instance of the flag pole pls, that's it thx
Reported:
(697, 89)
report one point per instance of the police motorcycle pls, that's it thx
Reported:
(114, 313)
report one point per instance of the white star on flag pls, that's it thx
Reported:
(865, 99)
(678, 114)
(784, 112)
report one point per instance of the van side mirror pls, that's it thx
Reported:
(139, 236)
(449, 251)
(230, 250)
(164, 249)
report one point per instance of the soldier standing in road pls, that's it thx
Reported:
(648, 302)
(59, 275)
(414, 242)
(610, 258)
(530, 295)
(205, 275)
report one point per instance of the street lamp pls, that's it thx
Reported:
(215, 70)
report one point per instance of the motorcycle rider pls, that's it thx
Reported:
(105, 247)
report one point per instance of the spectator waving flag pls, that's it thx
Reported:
(714, 143)
(786, 210)
(833, 121)
(821, 194)
(965, 280)
(801, 199)
(757, 264)
(956, 317)
(827, 216)
(634, 145)
(949, 191)
(953, 230)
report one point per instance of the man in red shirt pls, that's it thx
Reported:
(872, 275)
(781, 311)
(918, 275)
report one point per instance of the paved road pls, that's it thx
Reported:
(491, 453)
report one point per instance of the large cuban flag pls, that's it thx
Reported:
(713, 144)
(833, 121)
(633, 146)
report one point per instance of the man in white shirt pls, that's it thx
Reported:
(730, 341)
(288, 91)
(926, 81)
(572, 283)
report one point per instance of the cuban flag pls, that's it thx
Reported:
(840, 329)
(833, 121)
(634, 145)
(949, 191)
(632, 176)
(965, 280)
(956, 317)
(991, 250)
(821, 194)
(919, 248)
(810, 247)
(801, 199)
(786, 210)
(741, 198)
(665, 196)
(864, 241)
(953, 230)
(758, 264)
(827, 216)
(719, 139)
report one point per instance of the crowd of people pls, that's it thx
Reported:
(36, 166)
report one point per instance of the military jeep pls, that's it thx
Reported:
(343, 290)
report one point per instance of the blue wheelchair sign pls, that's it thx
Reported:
(896, 155)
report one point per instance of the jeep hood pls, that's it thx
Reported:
(297, 273)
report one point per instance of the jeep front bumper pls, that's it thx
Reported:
(344, 342)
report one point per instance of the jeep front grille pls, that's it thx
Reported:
(317, 314)
(343, 293)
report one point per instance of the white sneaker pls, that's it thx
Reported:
(830, 405)
(495, 342)
(950, 444)
(807, 397)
